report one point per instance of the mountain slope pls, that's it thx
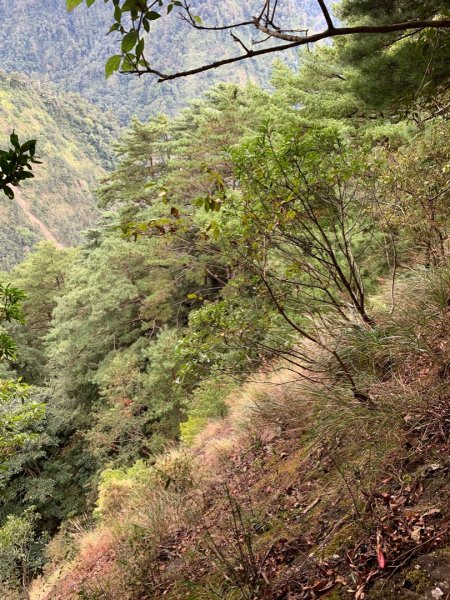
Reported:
(71, 49)
(73, 138)
(281, 500)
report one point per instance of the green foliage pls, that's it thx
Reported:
(397, 71)
(16, 164)
(206, 404)
(233, 334)
(18, 416)
(117, 484)
(10, 310)
(305, 209)
(252, 228)
(178, 161)
(42, 277)
(138, 409)
(414, 189)
(19, 552)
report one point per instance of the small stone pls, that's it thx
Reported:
(437, 593)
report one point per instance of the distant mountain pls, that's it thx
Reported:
(61, 57)
(40, 37)
(74, 141)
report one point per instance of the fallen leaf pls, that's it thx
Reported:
(416, 534)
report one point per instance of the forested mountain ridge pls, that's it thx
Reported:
(74, 145)
(71, 49)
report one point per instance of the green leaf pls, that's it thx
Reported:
(130, 5)
(140, 48)
(129, 41)
(29, 146)
(127, 65)
(14, 141)
(118, 13)
(71, 4)
(112, 65)
(8, 191)
(152, 15)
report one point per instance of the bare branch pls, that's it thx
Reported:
(297, 41)
(239, 41)
(191, 20)
(326, 14)
(280, 35)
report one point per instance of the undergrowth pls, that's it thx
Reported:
(301, 491)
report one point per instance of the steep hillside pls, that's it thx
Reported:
(281, 500)
(71, 49)
(304, 402)
(73, 143)
(237, 386)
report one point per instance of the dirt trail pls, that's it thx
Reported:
(45, 231)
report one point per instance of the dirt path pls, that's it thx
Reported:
(45, 231)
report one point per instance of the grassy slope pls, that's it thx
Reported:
(301, 492)
(73, 137)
